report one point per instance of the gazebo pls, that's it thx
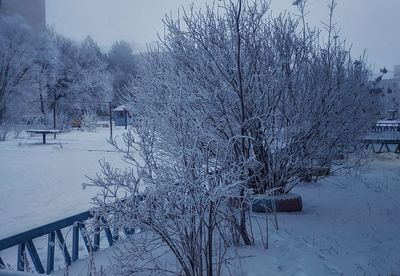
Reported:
(122, 116)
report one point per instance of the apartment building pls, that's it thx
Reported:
(391, 91)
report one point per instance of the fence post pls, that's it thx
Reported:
(85, 237)
(35, 257)
(21, 257)
(115, 233)
(50, 252)
(75, 242)
(63, 247)
(96, 239)
(2, 264)
(107, 231)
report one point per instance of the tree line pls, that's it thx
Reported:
(39, 67)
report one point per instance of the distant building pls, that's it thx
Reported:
(122, 116)
(391, 92)
(33, 11)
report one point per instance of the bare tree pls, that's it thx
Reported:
(18, 62)
(231, 103)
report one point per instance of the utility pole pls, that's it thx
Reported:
(54, 115)
(110, 110)
(126, 118)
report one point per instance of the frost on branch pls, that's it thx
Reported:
(231, 103)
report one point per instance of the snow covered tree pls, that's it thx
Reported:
(231, 103)
(122, 66)
(95, 79)
(76, 73)
(43, 66)
(79, 72)
(19, 62)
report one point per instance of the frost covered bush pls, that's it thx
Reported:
(18, 130)
(89, 120)
(5, 130)
(286, 101)
(63, 120)
(231, 102)
(10, 130)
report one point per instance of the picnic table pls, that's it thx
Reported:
(384, 139)
(44, 132)
(383, 143)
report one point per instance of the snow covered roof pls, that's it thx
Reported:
(388, 122)
(122, 107)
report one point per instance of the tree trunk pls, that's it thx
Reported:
(41, 104)
(210, 240)
(242, 225)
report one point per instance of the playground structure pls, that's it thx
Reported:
(75, 118)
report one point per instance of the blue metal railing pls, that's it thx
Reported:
(24, 241)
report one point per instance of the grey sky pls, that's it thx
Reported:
(373, 25)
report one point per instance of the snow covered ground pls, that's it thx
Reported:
(42, 183)
(349, 225)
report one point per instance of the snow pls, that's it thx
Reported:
(44, 130)
(349, 224)
(43, 183)
(388, 123)
(120, 108)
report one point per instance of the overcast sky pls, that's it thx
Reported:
(373, 25)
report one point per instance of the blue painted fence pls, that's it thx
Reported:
(24, 241)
